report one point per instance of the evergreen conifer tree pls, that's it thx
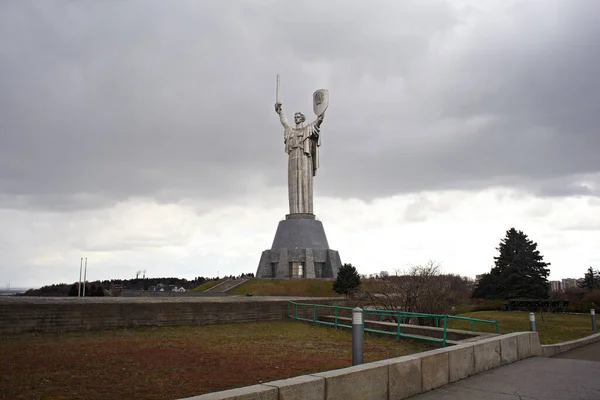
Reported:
(519, 272)
(347, 281)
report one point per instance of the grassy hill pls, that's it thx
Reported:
(286, 287)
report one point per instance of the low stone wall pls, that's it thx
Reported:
(395, 378)
(550, 350)
(25, 314)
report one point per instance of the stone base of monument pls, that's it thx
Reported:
(299, 250)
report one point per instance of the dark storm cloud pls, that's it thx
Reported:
(126, 99)
(100, 101)
(533, 86)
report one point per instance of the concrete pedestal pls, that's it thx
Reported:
(299, 250)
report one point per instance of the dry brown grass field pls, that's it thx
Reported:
(176, 362)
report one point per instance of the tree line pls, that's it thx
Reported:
(97, 288)
(519, 272)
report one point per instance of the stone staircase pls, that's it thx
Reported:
(226, 285)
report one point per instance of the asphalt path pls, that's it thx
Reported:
(536, 378)
(591, 352)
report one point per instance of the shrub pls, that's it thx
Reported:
(582, 307)
(347, 281)
(592, 297)
(487, 305)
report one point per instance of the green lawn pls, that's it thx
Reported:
(207, 285)
(553, 328)
(286, 287)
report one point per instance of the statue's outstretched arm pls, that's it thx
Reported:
(282, 118)
(319, 120)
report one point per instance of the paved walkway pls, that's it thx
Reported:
(591, 352)
(226, 285)
(535, 378)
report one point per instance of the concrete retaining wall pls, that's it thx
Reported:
(395, 378)
(554, 349)
(70, 314)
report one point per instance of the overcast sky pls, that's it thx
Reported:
(142, 134)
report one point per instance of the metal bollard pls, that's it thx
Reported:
(357, 336)
(532, 321)
(593, 312)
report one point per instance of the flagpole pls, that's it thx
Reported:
(84, 276)
(79, 287)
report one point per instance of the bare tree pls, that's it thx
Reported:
(423, 289)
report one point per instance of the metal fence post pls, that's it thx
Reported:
(445, 327)
(357, 336)
(398, 327)
(593, 313)
(336, 316)
(532, 321)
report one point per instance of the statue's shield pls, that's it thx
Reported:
(320, 101)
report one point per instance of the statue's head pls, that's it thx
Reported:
(299, 118)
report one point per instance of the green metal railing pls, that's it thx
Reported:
(473, 320)
(399, 316)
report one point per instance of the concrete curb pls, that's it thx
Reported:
(549, 350)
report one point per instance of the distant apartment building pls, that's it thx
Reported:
(555, 286)
(569, 283)
(478, 278)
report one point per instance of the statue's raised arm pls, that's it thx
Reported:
(319, 120)
(282, 118)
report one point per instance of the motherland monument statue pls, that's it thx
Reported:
(300, 248)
